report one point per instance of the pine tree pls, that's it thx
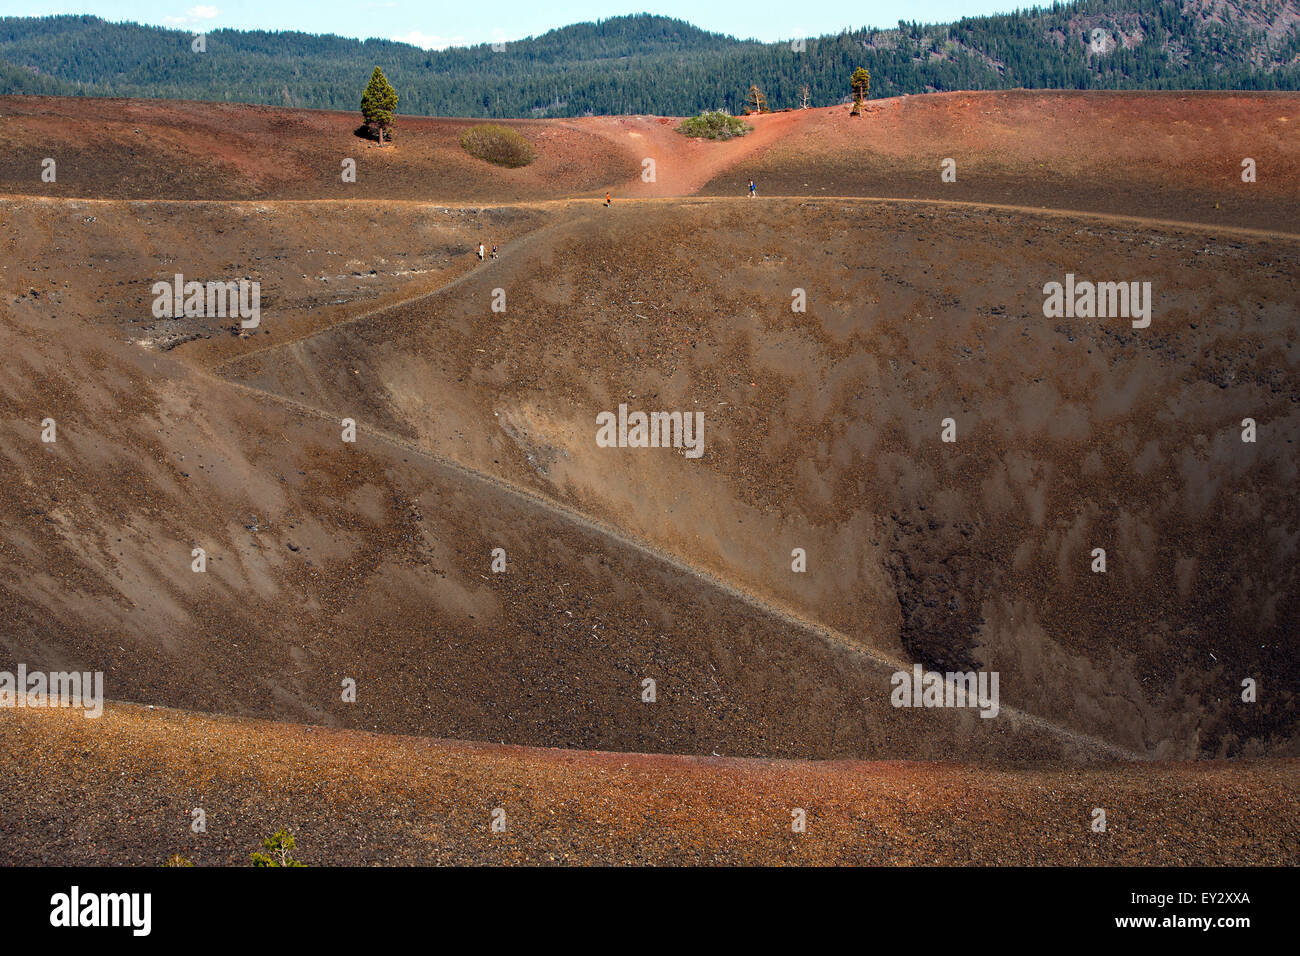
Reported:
(861, 83)
(377, 104)
(281, 844)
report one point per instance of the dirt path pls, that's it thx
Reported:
(592, 209)
(1088, 745)
(580, 209)
(514, 245)
(683, 165)
(594, 204)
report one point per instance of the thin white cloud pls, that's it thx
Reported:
(429, 41)
(193, 15)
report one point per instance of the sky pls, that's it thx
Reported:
(436, 25)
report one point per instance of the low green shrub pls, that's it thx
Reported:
(499, 145)
(714, 124)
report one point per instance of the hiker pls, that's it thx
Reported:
(608, 199)
(753, 189)
(481, 252)
(494, 251)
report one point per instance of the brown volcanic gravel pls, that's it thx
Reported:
(119, 790)
(823, 432)
(370, 560)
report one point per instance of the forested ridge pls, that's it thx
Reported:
(651, 64)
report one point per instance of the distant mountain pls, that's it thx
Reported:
(653, 64)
